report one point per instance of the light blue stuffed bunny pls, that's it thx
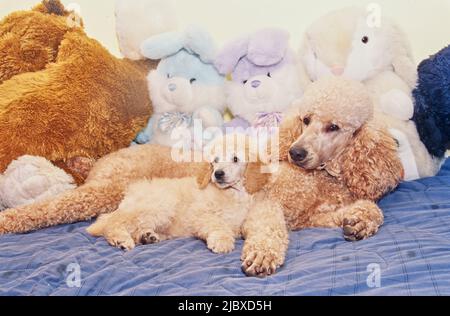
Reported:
(185, 89)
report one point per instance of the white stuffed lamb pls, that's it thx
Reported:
(353, 43)
(263, 78)
(186, 90)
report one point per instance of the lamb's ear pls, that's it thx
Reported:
(403, 61)
(370, 167)
(228, 58)
(138, 20)
(268, 47)
(204, 175)
(199, 41)
(255, 177)
(163, 45)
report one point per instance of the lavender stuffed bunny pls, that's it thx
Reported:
(263, 78)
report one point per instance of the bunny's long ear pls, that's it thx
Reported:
(403, 61)
(200, 42)
(268, 47)
(163, 45)
(228, 58)
(370, 167)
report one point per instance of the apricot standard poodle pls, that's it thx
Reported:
(335, 164)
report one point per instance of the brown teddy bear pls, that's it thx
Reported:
(65, 98)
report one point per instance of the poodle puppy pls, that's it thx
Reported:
(163, 209)
(335, 164)
(111, 177)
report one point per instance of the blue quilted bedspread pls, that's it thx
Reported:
(409, 256)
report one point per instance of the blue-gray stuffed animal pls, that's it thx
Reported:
(185, 89)
(432, 97)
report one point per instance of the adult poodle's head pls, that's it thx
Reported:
(331, 113)
(332, 129)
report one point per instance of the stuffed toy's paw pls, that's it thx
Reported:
(397, 104)
(30, 179)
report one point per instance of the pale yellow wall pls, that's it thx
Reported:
(427, 22)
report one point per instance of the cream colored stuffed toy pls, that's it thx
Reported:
(358, 44)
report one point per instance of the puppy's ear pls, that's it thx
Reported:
(290, 131)
(255, 179)
(204, 176)
(370, 167)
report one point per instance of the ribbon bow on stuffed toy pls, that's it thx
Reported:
(169, 121)
(268, 119)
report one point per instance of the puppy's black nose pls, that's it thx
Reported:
(219, 174)
(298, 154)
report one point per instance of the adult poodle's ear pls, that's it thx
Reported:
(268, 47)
(290, 131)
(163, 45)
(370, 166)
(201, 43)
(256, 177)
(204, 176)
(228, 58)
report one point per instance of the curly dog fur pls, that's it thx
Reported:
(343, 194)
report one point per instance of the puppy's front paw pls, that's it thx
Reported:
(124, 244)
(150, 238)
(220, 243)
(261, 261)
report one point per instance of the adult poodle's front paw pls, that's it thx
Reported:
(261, 261)
(362, 223)
(220, 243)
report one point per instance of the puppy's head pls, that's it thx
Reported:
(236, 164)
(331, 113)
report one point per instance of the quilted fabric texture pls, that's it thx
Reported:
(410, 256)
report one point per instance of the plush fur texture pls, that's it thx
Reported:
(63, 94)
(163, 209)
(291, 197)
(264, 74)
(432, 96)
(185, 82)
(344, 43)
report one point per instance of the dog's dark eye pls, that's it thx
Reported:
(216, 160)
(307, 121)
(245, 81)
(193, 80)
(168, 76)
(236, 159)
(365, 39)
(269, 75)
(333, 128)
